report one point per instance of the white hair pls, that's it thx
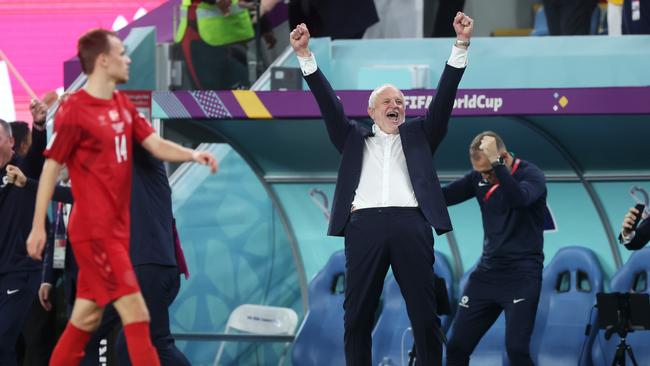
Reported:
(379, 89)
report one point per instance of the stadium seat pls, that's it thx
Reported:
(320, 338)
(259, 319)
(392, 337)
(570, 283)
(632, 277)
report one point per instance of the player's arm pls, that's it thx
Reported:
(37, 237)
(170, 151)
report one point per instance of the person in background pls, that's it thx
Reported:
(337, 19)
(569, 17)
(614, 17)
(638, 238)
(511, 194)
(19, 274)
(212, 36)
(636, 17)
(22, 137)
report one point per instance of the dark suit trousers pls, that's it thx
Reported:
(160, 285)
(374, 239)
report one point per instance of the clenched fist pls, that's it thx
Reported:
(463, 25)
(299, 39)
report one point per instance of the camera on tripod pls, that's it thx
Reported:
(623, 313)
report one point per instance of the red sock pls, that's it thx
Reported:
(69, 349)
(138, 342)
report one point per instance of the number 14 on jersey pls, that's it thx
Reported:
(120, 148)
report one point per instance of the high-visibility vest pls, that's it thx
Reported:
(215, 28)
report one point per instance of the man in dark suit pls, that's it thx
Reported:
(634, 239)
(387, 198)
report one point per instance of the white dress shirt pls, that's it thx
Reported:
(384, 180)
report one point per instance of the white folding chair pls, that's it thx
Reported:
(261, 320)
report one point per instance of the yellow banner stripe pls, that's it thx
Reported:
(251, 104)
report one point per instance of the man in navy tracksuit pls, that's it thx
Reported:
(512, 196)
(154, 257)
(19, 274)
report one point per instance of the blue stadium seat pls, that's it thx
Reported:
(570, 283)
(632, 277)
(320, 338)
(392, 337)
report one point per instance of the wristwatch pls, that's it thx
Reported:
(500, 161)
(461, 43)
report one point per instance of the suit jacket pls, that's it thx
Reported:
(420, 139)
(641, 236)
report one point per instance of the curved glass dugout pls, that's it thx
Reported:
(237, 251)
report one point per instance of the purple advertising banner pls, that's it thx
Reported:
(469, 102)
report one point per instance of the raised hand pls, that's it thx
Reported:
(38, 110)
(463, 25)
(299, 39)
(489, 148)
(628, 221)
(15, 176)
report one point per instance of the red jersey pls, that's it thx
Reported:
(93, 137)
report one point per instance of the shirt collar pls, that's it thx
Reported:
(378, 132)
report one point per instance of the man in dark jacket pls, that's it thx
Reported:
(19, 274)
(387, 197)
(508, 277)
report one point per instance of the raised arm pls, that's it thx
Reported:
(524, 192)
(520, 193)
(33, 162)
(439, 112)
(16, 177)
(337, 123)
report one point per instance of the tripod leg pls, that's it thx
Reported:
(412, 356)
(629, 352)
(619, 356)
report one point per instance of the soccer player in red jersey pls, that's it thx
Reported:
(93, 133)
